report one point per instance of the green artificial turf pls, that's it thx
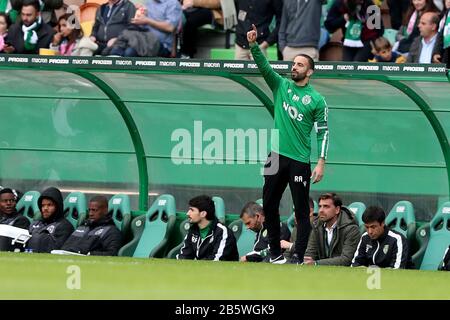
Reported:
(44, 276)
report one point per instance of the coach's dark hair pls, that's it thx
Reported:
(204, 203)
(372, 214)
(337, 201)
(251, 209)
(310, 60)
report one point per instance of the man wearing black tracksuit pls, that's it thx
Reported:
(380, 246)
(10, 216)
(98, 236)
(207, 239)
(51, 231)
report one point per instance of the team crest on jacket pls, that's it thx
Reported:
(98, 232)
(265, 233)
(211, 240)
(194, 238)
(306, 99)
(50, 229)
(385, 248)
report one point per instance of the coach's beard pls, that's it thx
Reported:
(296, 76)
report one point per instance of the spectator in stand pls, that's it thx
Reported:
(198, 13)
(111, 19)
(70, 40)
(261, 14)
(352, 16)
(410, 28)
(47, 9)
(31, 34)
(98, 236)
(382, 51)
(422, 48)
(10, 216)
(397, 9)
(441, 52)
(207, 238)
(4, 25)
(162, 19)
(300, 28)
(52, 230)
(252, 216)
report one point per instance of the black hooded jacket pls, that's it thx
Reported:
(50, 234)
(261, 244)
(96, 238)
(219, 244)
(14, 219)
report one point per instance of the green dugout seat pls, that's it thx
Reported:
(401, 218)
(434, 239)
(120, 209)
(245, 237)
(219, 205)
(151, 231)
(75, 208)
(28, 205)
(358, 209)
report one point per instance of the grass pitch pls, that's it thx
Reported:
(44, 276)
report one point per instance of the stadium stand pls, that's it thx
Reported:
(358, 209)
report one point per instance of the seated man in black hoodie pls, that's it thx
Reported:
(207, 239)
(10, 216)
(98, 236)
(52, 230)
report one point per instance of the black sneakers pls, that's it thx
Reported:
(278, 260)
(294, 259)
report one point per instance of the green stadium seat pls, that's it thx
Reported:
(439, 238)
(245, 237)
(28, 205)
(151, 231)
(219, 205)
(75, 208)
(120, 209)
(358, 209)
(390, 34)
(401, 218)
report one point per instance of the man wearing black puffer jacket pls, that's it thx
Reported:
(98, 236)
(380, 246)
(207, 239)
(52, 230)
(10, 217)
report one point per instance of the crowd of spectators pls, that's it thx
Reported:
(170, 28)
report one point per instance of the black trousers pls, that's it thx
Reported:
(358, 54)
(194, 19)
(280, 171)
